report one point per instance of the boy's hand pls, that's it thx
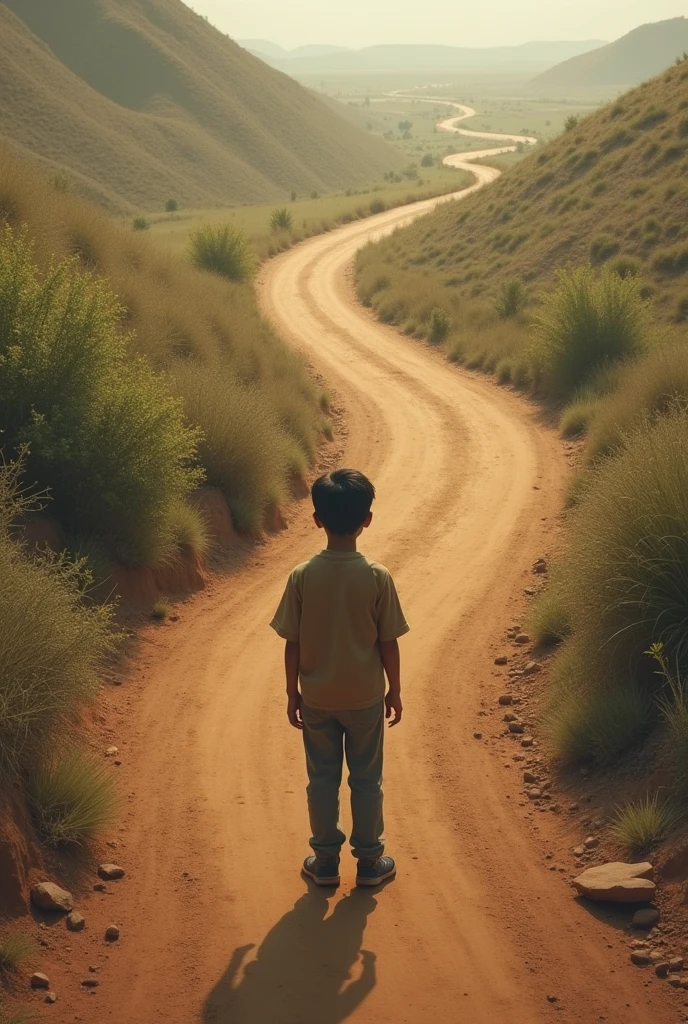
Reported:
(393, 707)
(294, 711)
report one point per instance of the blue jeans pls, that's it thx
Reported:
(327, 737)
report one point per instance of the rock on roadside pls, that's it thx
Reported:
(110, 872)
(618, 883)
(39, 980)
(48, 896)
(76, 922)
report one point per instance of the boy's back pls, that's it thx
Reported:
(337, 607)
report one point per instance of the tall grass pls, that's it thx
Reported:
(51, 642)
(71, 799)
(101, 430)
(223, 249)
(673, 703)
(590, 321)
(15, 948)
(638, 825)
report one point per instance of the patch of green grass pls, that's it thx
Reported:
(161, 610)
(439, 325)
(71, 800)
(511, 299)
(15, 948)
(641, 824)
(223, 249)
(281, 219)
(190, 529)
(549, 620)
(140, 224)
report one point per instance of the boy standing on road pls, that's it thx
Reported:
(341, 618)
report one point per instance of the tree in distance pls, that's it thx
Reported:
(140, 224)
(171, 206)
(571, 122)
(405, 126)
(428, 160)
(281, 219)
(223, 249)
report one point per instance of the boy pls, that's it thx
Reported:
(341, 617)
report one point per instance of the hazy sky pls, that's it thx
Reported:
(359, 23)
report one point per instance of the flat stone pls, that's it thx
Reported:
(676, 964)
(645, 918)
(48, 896)
(39, 980)
(501, 660)
(675, 981)
(111, 933)
(516, 728)
(90, 983)
(530, 778)
(662, 969)
(112, 752)
(522, 639)
(618, 883)
(75, 921)
(640, 959)
(110, 872)
(527, 741)
(591, 843)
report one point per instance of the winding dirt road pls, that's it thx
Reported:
(218, 926)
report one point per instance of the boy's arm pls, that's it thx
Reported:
(391, 661)
(292, 661)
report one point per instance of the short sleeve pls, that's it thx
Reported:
(391, 622)
(287, 620)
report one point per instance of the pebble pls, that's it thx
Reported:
(75, 922)
(111, 933)
(676, 963)
(531, 668)
(640, 958)
(90, 983)
(501, 660)
(591, 843)
(51, 997)
(477, 735)
(110, 872)
(552, 999)
(39, 980)
(645, 918)
(530, 778)
(112, 752)
(522, 639)
(527, 741)
(516, 728)
(505, 700)
(662, 969)
(534, 794)
(100, 887)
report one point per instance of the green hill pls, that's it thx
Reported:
(612, 188)
(634, 58)
(143, 100)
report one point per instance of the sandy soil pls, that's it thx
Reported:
(217, 925)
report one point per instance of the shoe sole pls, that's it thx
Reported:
(320, 881)
(376, 881)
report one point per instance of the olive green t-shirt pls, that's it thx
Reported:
(338, 606)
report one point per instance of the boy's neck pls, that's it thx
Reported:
(341, 543)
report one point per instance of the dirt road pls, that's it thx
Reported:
(218, 926)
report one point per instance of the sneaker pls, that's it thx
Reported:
(322, 870)
(375, 871)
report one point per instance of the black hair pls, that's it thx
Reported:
(342, 500)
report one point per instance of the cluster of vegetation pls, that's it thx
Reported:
(602, 344)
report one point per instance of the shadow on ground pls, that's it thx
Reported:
(309, 968)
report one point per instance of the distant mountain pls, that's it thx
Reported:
(143, 100)
(533, 56)
(643, 53)
(264, 48)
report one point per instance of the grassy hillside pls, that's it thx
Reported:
(612, 189)
(143, 100)
(640, 55)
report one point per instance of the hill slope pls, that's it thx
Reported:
(614, 187)
(644, 52)
(142, 99)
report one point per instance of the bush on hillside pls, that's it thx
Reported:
(646, 389)
(439, 325)
(511, 298)
(223, 249)
(51, 641)
(588, 322)
(71, 800)
(281, 219)
(140, 224)
(101, 431)
(171, 206)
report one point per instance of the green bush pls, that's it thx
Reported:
(439, 325)
(588, 322)
(171, 206)
(378, 206)
(511, 299)
(281, 219)
(641, 824)
(15, 948)
(101, 431)
(428, 160)
(140, 224)
(223, 249)
(51, 641)
(571, 122)
(71, 800)
(646, 389)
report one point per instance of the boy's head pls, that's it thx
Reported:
(342, 502)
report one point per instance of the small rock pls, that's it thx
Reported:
(645, 918)
(510, 717)
(573, 808)
(110, 872)
(529, 592)
(591, 843)
(48, 896)
(527, 741)
(90, 983)
(100, 887)
(657, 958)
(639, 958)
(111, 933)
(531, 668)
(75, 921)
(530, 778)
(39, 980)
(676, 964)
(618, 883)
(505, 700)
(534, 793)
(675, 981)
(501, 660)
(516, 728)
(662, 969)
(112, 752)
(522, 639)
(540, 567)
(579, 851)
(51, 997)
(552, 999)
(477, 735)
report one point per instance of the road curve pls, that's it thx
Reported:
(219, 928)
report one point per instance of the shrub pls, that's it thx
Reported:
(71, 800)
(671, 261)
(587, 322)
(571, 122)
(190, 528)
(140, 224)
(649, 388)
(641, 824)
(223, 249)
(626, 266)
(511, 299)
(315, 195)
(378, 206)
(15, 948)
(439, 325)
(602, 248)
(625, 577)
(428, 160)
(171, 206)
(294, 196)
(281, 219)
(549, 620)
(161, 610)
(51, 641)
(101, 430)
